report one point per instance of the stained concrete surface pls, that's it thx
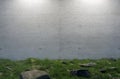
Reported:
(59, 29)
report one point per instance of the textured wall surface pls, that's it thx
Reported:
(59, 28)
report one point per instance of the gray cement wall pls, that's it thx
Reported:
(59, 29)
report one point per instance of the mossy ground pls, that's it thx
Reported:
(59, 69)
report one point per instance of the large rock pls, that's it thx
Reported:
(84, 73)
(34, 74)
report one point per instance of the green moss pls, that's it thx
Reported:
(58, 69)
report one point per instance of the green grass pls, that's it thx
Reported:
(56, 68)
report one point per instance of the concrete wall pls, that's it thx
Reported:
(59, 28)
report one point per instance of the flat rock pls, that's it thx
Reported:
(63, 62)
(116, 78)
(88, 64)
(1, 73)
(112, 59)
(34, 74)
(83, 73)
(104, 70)
(112, 68)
